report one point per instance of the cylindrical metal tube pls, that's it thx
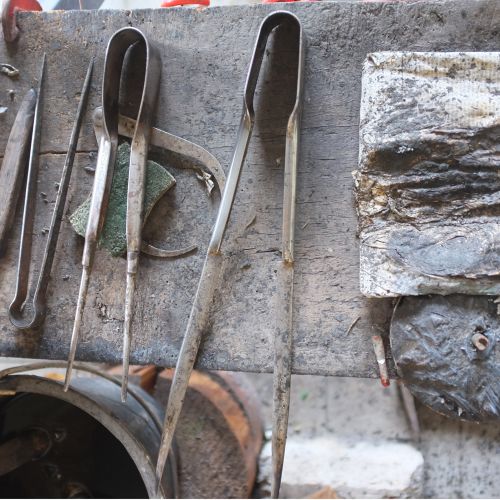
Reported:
(136, 425)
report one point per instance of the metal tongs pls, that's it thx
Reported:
(117, 48)
(19, 306)
(212, 267)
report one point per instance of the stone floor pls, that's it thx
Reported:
(460, 460)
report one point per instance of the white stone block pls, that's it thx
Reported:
(386, 469)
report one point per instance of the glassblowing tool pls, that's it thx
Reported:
(213, 265)
(117, 48)
(19, 305)
(169, 142)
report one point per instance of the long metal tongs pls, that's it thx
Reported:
(211, 272)
(118, 46)
(19, 305)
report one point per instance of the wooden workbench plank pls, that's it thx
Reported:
(205, 56)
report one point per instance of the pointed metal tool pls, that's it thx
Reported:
(19, 305)
(117, 48)
(213, 265)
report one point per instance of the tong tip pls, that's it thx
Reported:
(82, 295)
(124, 387)
(162, 460)
(127, 331)
(275, 485)
(277, 466)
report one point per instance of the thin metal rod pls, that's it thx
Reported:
(282, 375)
(212, 268)
(75, 334)
(38, 308)
(127, 334)
(233, 178)
(87, 260)
(379, 349)
(98, 205)
(408, 401)
(198, 318)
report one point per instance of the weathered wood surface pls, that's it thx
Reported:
(428, 186)
(205, 56)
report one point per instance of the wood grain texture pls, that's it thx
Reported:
(205, 57)
(427, 185)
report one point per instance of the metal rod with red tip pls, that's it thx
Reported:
(379, 349)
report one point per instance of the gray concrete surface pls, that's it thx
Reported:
(350, 468)
(461, 460)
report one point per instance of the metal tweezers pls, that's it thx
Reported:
(117, 48)
(211, 272)
(19, 306)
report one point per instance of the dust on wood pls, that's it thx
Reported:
(205, 58)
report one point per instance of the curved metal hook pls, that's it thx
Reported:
(168, 142)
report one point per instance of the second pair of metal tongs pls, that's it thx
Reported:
(22, 314)
(211, 272)
(118, 46)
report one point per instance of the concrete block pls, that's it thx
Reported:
(362, 469)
